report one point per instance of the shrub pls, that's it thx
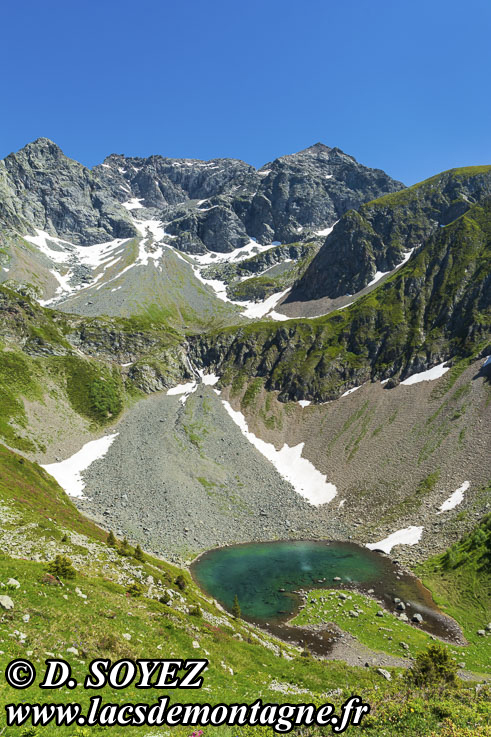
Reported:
(181, 582)
(108, 643)
(138, 554)
(125, 548)
(61, 567)
(135, 589)
(111, 540)
(433, 667)
(195, 611)
(236, 612)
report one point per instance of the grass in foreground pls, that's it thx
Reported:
(119, 606)
(460, 581)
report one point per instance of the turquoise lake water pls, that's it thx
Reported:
(265, 577)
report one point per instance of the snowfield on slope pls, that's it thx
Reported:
(430, 375)
(408, 536)
(68, 473)
(380, 274)
(307, 481)
(454, 499)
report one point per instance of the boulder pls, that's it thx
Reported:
(384, 673)
(6, 602)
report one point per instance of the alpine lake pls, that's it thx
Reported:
(271, 578)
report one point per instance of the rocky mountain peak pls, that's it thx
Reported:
(42, 188)
(316, 148)
(41, 153)
(215, 205)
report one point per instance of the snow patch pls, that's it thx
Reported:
(350, 391)
(182, 389)
(98, 256)
(238, 254)
(454, 499)
(208, 379)
(185, 390)
(278, 316)
(133, 204)
(325, 231)
(304, 402)
(430, 375)
(380, 274)
(407, 536)
(68, 473)
(249, 309)
(307, 481)
(260, 309)
(154, 227)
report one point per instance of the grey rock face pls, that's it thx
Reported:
(41, 187)
(216, 228)
(221, 204)
(311, 190)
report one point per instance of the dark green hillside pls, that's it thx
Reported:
(375, 237)
(434, 308)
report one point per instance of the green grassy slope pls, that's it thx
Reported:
(461, 582)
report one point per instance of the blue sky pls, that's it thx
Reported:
(403, 85)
